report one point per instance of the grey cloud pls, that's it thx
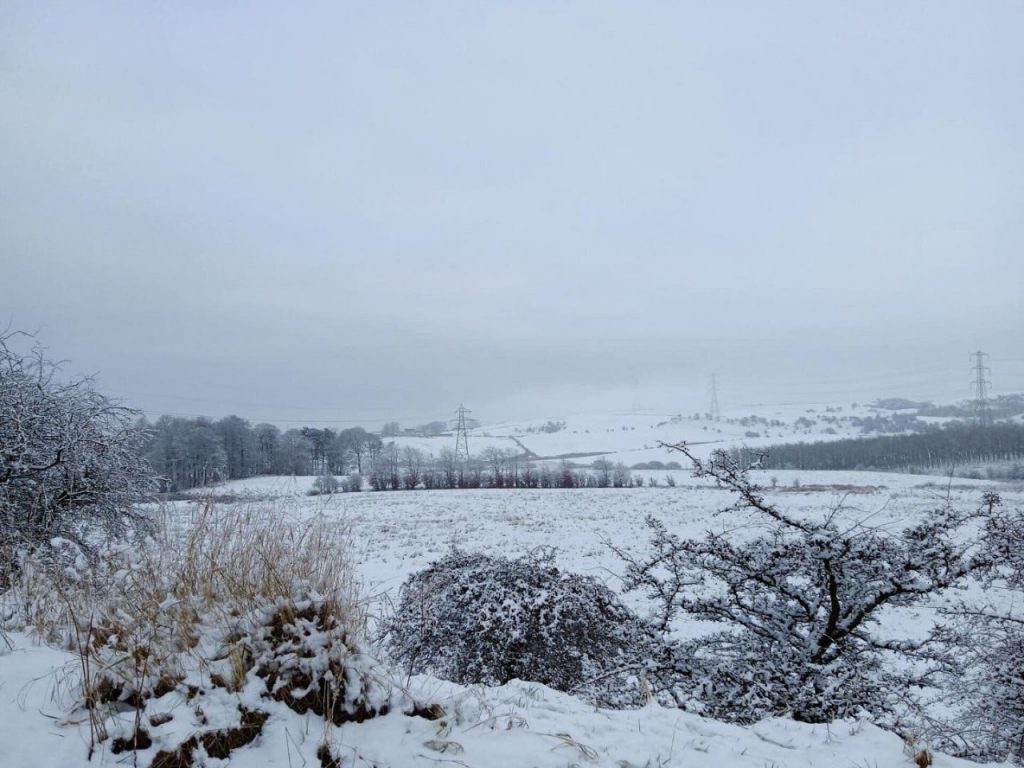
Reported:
(388, 208)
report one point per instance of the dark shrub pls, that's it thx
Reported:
(471, 618)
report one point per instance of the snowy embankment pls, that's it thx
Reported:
(518, 724)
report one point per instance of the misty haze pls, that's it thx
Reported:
(511, 384)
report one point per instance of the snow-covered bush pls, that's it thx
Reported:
(473, 618)
(325, 484)
(796, 604)
(245, 608)
(986, 653)
(70, 458)
(987, 685)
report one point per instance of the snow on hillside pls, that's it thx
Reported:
(634, 436)
(477, 442)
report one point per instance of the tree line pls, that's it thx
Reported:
(191, 452)
(409, 468)
(955, 445)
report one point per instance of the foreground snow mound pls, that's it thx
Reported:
(517, 724)
(177, 708)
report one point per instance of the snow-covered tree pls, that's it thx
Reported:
(325, 484)
(385, 469)
(797, 604)
(70, 458)
(986, 684)
(985, 657)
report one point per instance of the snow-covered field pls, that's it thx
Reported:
(394, 534)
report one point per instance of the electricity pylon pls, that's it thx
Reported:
(982, 414)
(461, 439)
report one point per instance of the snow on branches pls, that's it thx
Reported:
(796, 603)
(985, 658)
(473, 618)
(69, 457)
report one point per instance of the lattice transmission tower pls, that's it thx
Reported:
(982, 413)
(461, 438)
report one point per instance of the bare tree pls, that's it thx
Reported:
(385, 474)
(449, 468)
(494, 459)
(621, 476)
(413, 461)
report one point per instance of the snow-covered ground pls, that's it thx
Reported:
(394, 534)
(266, 486)
(518, 725)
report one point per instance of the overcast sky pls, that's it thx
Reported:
(299, 211)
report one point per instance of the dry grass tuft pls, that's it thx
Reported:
(193, 598)
(237, 596)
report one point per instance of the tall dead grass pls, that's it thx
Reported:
(190, 605)
(217, 562)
